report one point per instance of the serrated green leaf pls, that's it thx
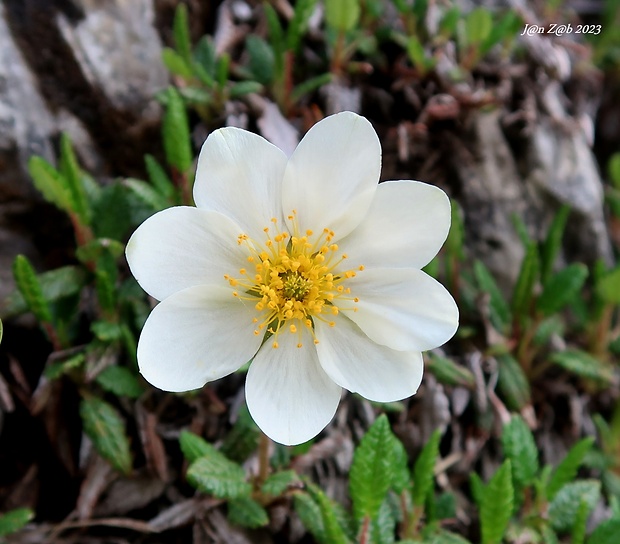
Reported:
(30, 288)
(562, 288)
(520, 448)
(158, 177)
(564, 507)
(57, 368)
(584, 365)
(73, 175)
(450, 373)
(50, 183)
(245, 87)
(477, 487)
(261, 59)
(299, 23)
(175, 132)
(93, 250)
(401, 479)
(383, 526)
(608, 287)
(513, 383)
(309, 513)
(578, 532)
(547, 328)
(342, 15)
(120, 381)
(105, 427)
(180, 32)
(111, 213)
(215, 474)
(242, 440)
(55, 284)
(147, 194)
(445, 537)
(278, 483)
(193, 446)
(606, 533)
(478, 25)
(566, 471)
(497, 505)
(525, 282)
(246, 512)
(548, 535)
(445, 506)
(553, 243)
(372, 469)
(13, 521)
(423, 469)
(499, 308)
(332, 529)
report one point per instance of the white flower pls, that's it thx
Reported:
(305, 265)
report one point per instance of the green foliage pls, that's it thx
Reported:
(215, 474)
(14, 520)
(278, 483)
(562, 288)
(564, 507)
(105, 427)
(450, 373)
(246, 512)
(120, 381)
(194, 447)
(584, 365)
(50, 183)
(513, 383)
(566, 471)
(342, 15)
(299, 23)
(578, 532)
(30, 288)
(262, 59)
(526, 281)
(496, 505)
(499, 308)
(73, 178)
(180, 32)
(371, 471)
(553, 243)
(423, 470)
(242, 439)
(606, 533)
(608, 287)
(175, 132)
(520, 449)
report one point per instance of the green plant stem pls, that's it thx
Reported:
(181, 180)
(337, 57)
(263, 458)
(600, 338)
(52, 335)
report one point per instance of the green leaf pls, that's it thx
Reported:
(503, 30)
(14, 520)
(417, 54)
(578, 532)
(566, 471)
(520, 448)
(147, 194)
(499, 309)
(553, 243)
(332, 529)
(299, 23)
(478, 25)
(242, 440)
(56, 369)
(401, 479)
(554, 325)
(158, 177)
(30, 288)
(423, 470)
(372, 469)
(608, 287)
(73, 176)
(497, 504)
(450, 373)
(513, 383)
(175, 132)
(246, 512)
(276, 38)
(193, 446)
(309, 86)
(245, 87)
(180, 32)
(564, 507)
(176, 64)
(562, 288)
(613, 167)
(215, 474)
(222, 69)
(525, 282)
(106, 429)
(477, 487)
(456, 236)
(120, 381)
(445, 537)
(278, 483)
(261, 59)
(50, 183)
(606, 533)
(342, 15)
(584, 365)
(383, 527)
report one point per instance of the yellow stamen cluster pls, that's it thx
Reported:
(294, 280)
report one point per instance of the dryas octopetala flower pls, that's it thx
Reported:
(304, 265)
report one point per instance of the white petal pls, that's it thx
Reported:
(360, 365)
(195, 336)
(403, 308)
(288, 394)
(406, 225)
(240, 175)
(183, 246)
(332, 176)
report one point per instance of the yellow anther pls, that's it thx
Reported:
(299, 345)
(274, 220)
(356, 299)
(242, 271)
(332, 323)
(293, 328)
(316, 341)
(334, 247)
(361, 267)
(275, 345)
(235, 294)
(256, 332)
(309, 232)
(335, 310)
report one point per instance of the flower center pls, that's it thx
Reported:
(294, 280)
